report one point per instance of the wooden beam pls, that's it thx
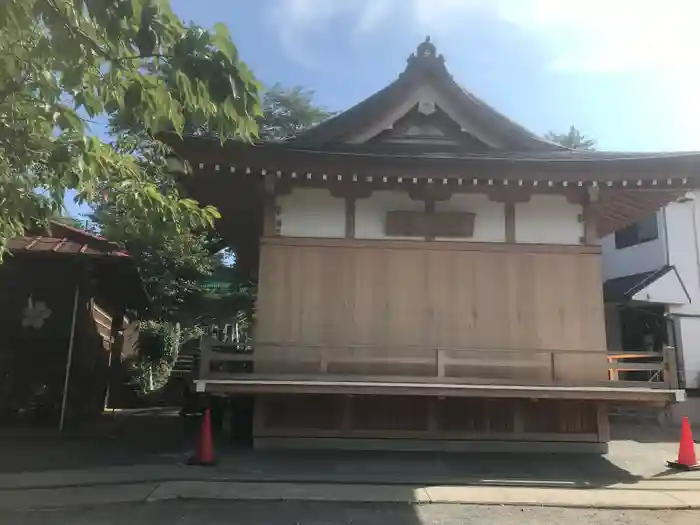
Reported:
(364, 387)
(517, 194)
(401, 244)
(278, 157)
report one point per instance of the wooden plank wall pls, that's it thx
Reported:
(391, 296)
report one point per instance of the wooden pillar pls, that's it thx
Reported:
(270, 209)
(350, 217)
(434, 415)
(259, 417)
(350, 193)
(510, 221)
(429, 219)
(204, 356)
(590, 230)
(510, 197)
(670, 373)
(603, 422)
(346, 416)
(519, 410)
(430, 194)
(589, 218)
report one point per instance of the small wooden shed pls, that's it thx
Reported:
(64, 296)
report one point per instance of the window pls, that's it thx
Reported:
(642, 231)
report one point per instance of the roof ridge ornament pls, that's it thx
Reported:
(426, 49)
(426, 56)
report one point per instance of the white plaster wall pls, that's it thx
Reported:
(682, 231)
(490, 220)
(548, 219)
(370, 213)
(689, 330)
(683, 234)
(644, 257)
(311, 212)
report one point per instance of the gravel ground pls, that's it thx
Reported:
(302, 513)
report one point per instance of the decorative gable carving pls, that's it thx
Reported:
(426, 107)
(436, 128)
(424, 130)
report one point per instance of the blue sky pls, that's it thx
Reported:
(623, 71)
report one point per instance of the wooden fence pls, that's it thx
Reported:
(226, 360)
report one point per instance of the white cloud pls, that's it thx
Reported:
(618, 35)
(591, 36)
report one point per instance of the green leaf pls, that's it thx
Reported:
(136, 8)
(69, 120)
(222, 40)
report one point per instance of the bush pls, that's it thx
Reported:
(158, 347)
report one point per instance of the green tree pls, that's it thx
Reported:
(289, 111)
(573, 139)
(175, 261)
(171, 257)
(65, 62)
(286, 112)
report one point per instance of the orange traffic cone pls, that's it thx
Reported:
(686, 449)
(204, 454)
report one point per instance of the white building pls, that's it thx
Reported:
(652, 285)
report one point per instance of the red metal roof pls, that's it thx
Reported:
(38, 244)
(59, 230)
(64, 239)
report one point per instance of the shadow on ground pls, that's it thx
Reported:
(161, 437)
(147, 436)
(651, 433)
(425, 468)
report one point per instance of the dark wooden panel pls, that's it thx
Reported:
(406, 224)
(428, 417)
(452, 225)
(390, 413)
(559, 417)
(302, 412)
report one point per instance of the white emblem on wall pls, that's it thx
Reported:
(35, 314)
(426, 107)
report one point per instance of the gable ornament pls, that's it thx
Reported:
(35, 314)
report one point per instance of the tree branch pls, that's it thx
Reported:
(141, 57)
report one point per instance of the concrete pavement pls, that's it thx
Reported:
(650, 495)
(192, 512)
(47, 473)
